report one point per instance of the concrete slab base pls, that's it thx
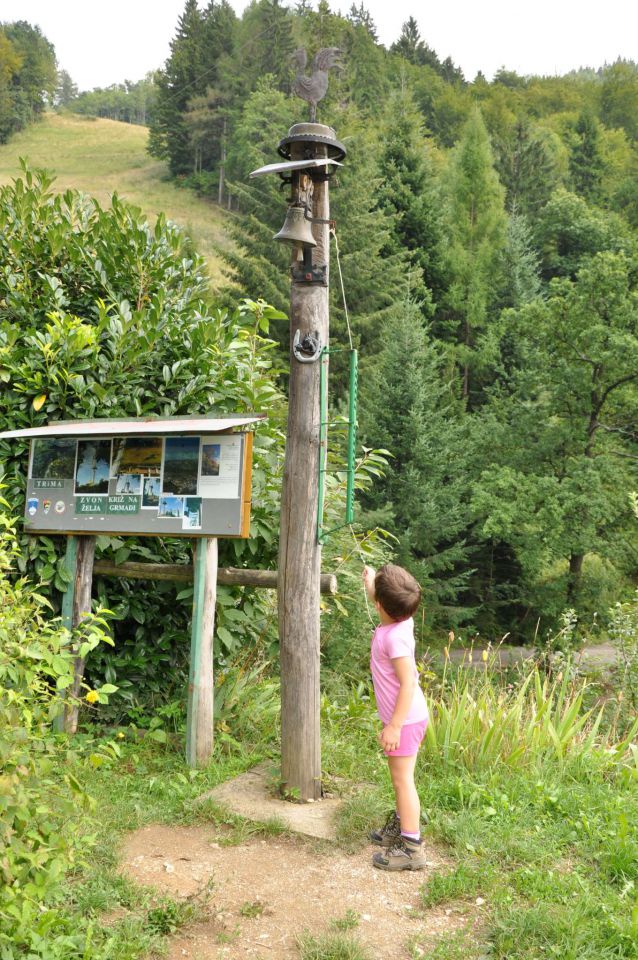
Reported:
(250, 795)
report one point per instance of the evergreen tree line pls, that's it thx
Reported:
(28, 76)
(127, 102)
(488, 243)
(30, 81)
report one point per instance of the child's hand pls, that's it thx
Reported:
(368, 581)
(390, 736)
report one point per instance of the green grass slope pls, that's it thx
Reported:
(101, 157)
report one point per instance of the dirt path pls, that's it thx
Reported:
(265, 893)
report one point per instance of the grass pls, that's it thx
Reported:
(542, 845)
(349, 921)
(334, 946)
(101, 157)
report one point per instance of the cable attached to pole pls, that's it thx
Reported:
(322, 532)
(333, 233)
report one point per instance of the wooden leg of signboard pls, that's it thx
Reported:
(79, 604)
(70, 562)
(199, 722)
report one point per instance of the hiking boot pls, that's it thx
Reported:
(404, 854)
(389, 832)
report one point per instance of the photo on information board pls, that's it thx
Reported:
(130, 483)
(181, 463)
(192, 513)
(171, 508)
(150, 493)
(137, 455)
(53, 459)
(92, 470)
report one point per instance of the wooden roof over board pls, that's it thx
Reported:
(136, 427)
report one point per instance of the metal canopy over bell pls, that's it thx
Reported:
(309, 135)
(296, 228)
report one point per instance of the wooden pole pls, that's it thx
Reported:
(299, 551)
(199, 721)
(76, 605)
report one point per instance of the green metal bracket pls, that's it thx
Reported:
(323, 440)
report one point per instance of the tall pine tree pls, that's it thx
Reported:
(202, 40)
(586, 164)
(410, 407)
(409, 194)
(527, 168)
(476, 222)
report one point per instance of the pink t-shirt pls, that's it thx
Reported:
(389, 642)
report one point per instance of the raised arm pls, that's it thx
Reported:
(368, 582)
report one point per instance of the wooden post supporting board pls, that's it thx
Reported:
(70, 562)
(76, 605)
(199, 721)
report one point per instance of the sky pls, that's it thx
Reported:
(102, 43)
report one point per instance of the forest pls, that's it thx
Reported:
(475, 220)
(28, 76)
(487, 233)
(488, 236)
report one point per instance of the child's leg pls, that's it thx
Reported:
(408, 804)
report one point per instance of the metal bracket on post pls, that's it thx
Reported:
(307, 350)
(307, 272)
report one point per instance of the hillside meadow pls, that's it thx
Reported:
(100, 157)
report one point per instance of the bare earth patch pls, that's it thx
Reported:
(265, 893)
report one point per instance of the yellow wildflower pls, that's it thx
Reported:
(484, 655)
(92, 696)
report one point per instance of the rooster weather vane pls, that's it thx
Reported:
(314, 88)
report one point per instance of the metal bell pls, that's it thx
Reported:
(296, 228)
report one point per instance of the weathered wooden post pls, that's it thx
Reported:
(199, 724)
(76, 605)
(299, 549)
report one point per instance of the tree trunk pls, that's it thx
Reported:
(222, 164)
(575, 570)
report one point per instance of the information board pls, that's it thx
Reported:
(152, 485)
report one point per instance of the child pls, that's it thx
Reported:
(402, 709)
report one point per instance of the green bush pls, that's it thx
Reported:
(623, 630)
(102, 315)
(477, 723)
(40, 798)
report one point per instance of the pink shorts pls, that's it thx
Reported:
(411, 736)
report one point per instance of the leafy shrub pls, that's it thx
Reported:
(40, 798)
(623, 630)
(102, 315)
(478, 722)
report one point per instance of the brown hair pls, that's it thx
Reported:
(397, 591)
